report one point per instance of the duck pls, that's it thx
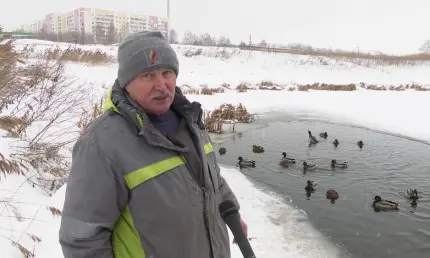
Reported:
(335, 142)
(284, 163)
(381, 204)
(222, 151)
(309, 166)
(332, 195)
(246, 163)
(335, 164)
(312, 139)
(411, 194)
(324, 135)
(257, 149)
(311, 186)
(360, 144)
(290, 160)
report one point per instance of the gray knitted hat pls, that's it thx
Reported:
(144, 51)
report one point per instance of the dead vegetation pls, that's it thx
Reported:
(243, 87)
(89, 115)
(226, 113)
(39, 107)
(353, 87)
(401, 87)
(329, 87)
(204, 91)
(220, 52)
(69, 54)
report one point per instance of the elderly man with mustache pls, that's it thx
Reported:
(145, 181)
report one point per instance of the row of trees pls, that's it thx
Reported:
(100, 35)
(425, 47)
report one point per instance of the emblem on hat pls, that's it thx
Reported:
(153, 57)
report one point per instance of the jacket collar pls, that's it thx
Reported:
(118, 102)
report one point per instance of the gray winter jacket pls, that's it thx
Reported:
(130, 194)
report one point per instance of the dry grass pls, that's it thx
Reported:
(243, 87)
(268, 85)
(238, 114)
(70, 54)
(37, 94)
(88, 116)
(401, 87)
(328, 87)
(226, 85)
(204, 91)
(220, 52)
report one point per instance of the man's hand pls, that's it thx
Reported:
(244, 228)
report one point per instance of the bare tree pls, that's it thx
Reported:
(111, 34)
(207, 40)
(425, 47)
(224, 41)
(124, 31)
(190, 38)
(173, 37)
(99, 34)
(263, 43)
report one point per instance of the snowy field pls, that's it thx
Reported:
(277, 229)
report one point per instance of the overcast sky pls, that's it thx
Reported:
(392, 26)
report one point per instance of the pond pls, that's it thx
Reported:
(386, 166)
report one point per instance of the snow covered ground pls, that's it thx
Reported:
(278, 229)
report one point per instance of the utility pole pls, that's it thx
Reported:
(168, 20)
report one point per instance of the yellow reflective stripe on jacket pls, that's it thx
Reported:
(208, 148)
(109, 104)
(125, 239)
(141, 175)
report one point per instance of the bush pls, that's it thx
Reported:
(38, 105)
(226, 112)
(329, 87)
(204, 91)
(243, 87)
(70, 54)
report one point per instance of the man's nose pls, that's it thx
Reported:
(160, 81)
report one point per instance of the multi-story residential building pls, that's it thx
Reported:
(99, 23)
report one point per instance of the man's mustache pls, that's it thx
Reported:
(162, 94)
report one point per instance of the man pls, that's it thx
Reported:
(144, 180)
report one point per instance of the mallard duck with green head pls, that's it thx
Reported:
(288, 159)
(308, 166)
(335, 164)
(384, 205)
(245, 163)
(257, 149)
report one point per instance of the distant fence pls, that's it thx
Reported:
(17, 35)
(340, 53)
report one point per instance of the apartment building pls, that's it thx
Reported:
(98, 22)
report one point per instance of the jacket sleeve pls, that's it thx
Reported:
(224, 188)
(94, 198)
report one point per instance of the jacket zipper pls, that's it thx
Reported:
(205, 196)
